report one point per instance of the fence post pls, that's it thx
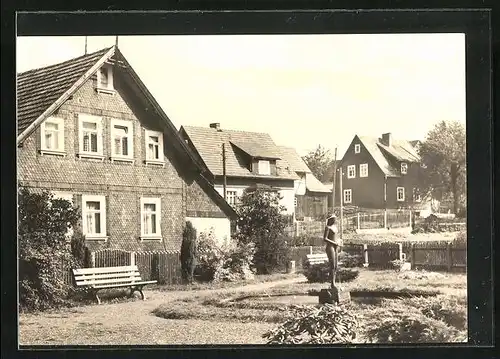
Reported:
(92, 260)
(132, 258)
(385, 218)
(297, 226)
(449, 258)
(410, 217)
(358, 222)
(400, 251)
(412, 256)
(310, 250)
(365, 255)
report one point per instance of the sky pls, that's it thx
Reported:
(304, 90)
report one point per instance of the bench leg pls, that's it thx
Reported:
(142, 294)
(138, 289)
(97, 297)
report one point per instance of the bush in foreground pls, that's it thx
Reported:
(320, 273)
(326, 324)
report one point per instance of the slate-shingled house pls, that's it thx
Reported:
(252, 160)
(91, 132)
(311, 196)
(381, 173)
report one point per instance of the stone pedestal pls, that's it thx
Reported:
(333, 296)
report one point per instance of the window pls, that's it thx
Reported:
(264, 167)
(404, 168)
(357, 148)
(105, 79)
(122, 140)
(52, 135)
(351, 171)
(154, 146)
(90, 136)
(363, 170)
(416, 195)
(401, 194)
(348, 196)
(94, 217)
(150, 218)
(68, 197)
(231, 197)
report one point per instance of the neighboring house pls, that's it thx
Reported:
(91, 132)
(252, 160)
(381, 173)
(311, 196)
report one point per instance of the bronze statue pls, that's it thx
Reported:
(333, 244)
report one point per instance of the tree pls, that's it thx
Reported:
(443, 155)
(43, 245)
(188, 252)
(261, 222)
(319, 162)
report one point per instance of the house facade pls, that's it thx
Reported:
(311, 196)
(89, 131)
(380, 173)
(244, 159)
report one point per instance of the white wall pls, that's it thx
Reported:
(288, 199)
(300, 186)
(220, 226)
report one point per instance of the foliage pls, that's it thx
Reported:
(43, 245)
(188, 252)
(413, 327)
(443, 155)
(227, 262)
(397, 264)
(262, 223)
(79, 250)
(326, 324)
(450, 310)
(320, 273)
(319, 162)
(348, 260)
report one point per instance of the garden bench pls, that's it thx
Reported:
(95, 279)
(319, 258)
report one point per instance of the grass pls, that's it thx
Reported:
(446, 312)
(365, 238)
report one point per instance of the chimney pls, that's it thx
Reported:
(215, 125)
(387, 139)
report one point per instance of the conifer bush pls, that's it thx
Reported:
(188, 252)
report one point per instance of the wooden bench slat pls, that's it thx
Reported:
(125, 285)
(109, 281)
(106, 275)
(105, 270)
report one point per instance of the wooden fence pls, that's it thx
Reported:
(435, 255)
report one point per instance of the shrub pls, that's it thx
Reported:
(347, 260)
(188, 252)
(320, 273)
(79, 251)
(413, 328)
(315, 325)
(261, 222)
(43, 226)
(450, 310)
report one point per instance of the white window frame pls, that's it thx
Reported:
(404, 166)
(60, 150)
(130, 140)
(109, 89)
(98, 121)
(363, 170)
(264, 167)
(231, 198)
(357, 148)
(353, 169)
(159, 134)
(68, 196)
(347, 191)
(398, 191)
(157, 202)
(102, 210)
(417, 197)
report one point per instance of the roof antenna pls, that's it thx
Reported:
(85, 45)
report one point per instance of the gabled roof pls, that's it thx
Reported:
(314, 185)
(42, 91)
(290, 155)
(208, 143)
(254, 149)
(401, 150)
(39, 89)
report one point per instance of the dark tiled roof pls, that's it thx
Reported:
(39, 88)
(208, 142)
(254, 149)
(401, 150)
(296, 163)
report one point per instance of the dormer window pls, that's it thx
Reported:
(105, 79)
(264, 167)
(357, 148)
(404, 168)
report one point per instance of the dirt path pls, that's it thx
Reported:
(132, 322)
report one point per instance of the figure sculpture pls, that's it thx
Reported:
(333, 244)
